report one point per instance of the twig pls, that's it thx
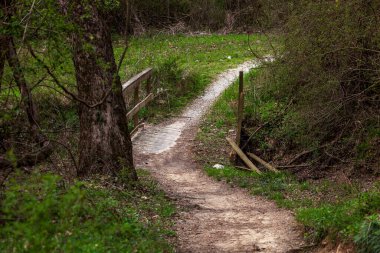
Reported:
(292, 166)
(122, 57)
(70, 153)
(26, 25)
(252, 51)
(266, 123)
(251, 136)
(56, 81)
(6, 177)
(243, 168)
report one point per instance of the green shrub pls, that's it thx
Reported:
(368, 239)
(327, 79)
(43, 214)
(176, 84)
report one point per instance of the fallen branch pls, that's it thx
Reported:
(298, 156)
(306, 152)
(266, 165)
(242, 168)
(292, 166)
(251, 136)
(243, 156)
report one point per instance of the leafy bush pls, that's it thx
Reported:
(368, 239)
(327, 78)
(43, 214)
(180, 81)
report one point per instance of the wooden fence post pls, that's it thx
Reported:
(148, 85)
(136, 101)
(133, 85)
(240, 107)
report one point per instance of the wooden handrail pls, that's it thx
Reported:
(133, 86)
(137, 79)
(139, 106)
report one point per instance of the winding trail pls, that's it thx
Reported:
(213, 216)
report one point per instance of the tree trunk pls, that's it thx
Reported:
(3, 42)
(3, 51)
(126, 6)
(8, 52)
(105, 145)
(26, 96)
(29, 108)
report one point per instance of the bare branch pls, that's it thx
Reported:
(58, 83)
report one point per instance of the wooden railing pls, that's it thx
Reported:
(134, 85)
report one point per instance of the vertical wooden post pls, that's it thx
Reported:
(240, 107)
(136, 101)
(148, 86)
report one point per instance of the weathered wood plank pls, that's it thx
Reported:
(139, 106)
(266, 165)
(134, 131)
(136, 99)
(243, 156)
(240, 113)
(137, 79)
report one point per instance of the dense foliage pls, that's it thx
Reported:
(207, 15)
(322, 93)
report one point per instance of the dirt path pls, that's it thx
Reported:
(214, 217)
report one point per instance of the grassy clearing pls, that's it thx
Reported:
(45, 214)
(205, 54)
(184, 65)
(340, 211)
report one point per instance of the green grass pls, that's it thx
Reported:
(184, 65)
(42, 213)
(206, 54)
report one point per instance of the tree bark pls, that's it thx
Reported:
(105, 146)
(126, 6)
(3, 43)
(3, 51)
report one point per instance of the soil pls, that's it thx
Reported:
(213, 216)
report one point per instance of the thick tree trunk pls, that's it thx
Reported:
(105, 145)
